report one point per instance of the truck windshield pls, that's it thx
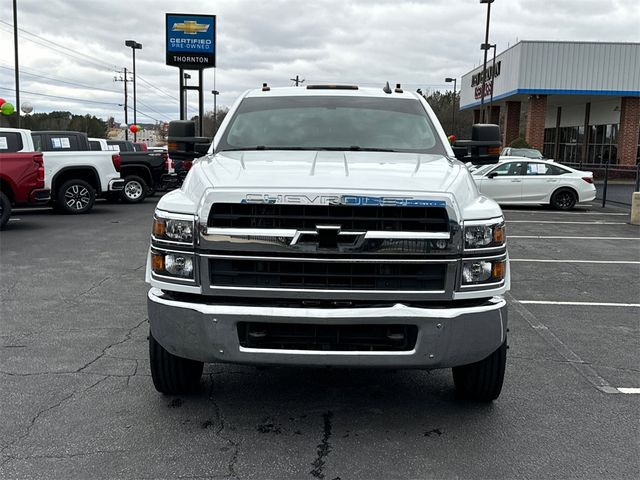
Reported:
(331, 123)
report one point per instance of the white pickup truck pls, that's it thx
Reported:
(330, 226)
(75, 177)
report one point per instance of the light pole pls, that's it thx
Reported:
(134, 46)
(493, 78)
(15, 49)
(186, 77)
(484, 63)
(453, 103)
(215, 111)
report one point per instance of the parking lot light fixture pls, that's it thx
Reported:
(453, 103)
(134, 46)
(484, 63)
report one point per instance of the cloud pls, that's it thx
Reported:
(416, 43)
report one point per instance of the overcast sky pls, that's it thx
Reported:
(416, 43)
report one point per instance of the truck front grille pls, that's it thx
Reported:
(305, 274)
(350, 218)
(292, 336)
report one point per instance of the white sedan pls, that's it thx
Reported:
(522, 181)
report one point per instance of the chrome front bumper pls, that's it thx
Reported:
(447, 337)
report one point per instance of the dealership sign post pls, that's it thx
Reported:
(191, 45)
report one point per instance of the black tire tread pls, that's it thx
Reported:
(482, 381)
(172, 374)
(6, 210)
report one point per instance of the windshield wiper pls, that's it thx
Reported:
(263, 147)
(356, 148)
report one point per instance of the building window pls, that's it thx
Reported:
(603, 145)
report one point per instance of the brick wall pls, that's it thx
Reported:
(534, 133)
(511, 123)
(629, 130)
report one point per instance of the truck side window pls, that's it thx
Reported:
(10, 142)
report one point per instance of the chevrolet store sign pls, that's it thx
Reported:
(190, 41)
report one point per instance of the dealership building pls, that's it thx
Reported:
(575, 101)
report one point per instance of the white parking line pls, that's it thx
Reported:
(14, 219)
(628, 390)
(560, 237)
(574, 223)
(539, 260)
(588, 304)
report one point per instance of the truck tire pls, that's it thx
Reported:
(5, 210)
(564, 199)
(482, 381)
(172, 374)
(75, 196)
(135, 189)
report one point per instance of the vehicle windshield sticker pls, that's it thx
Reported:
(55, 142)
(65, 143)
(3, 143)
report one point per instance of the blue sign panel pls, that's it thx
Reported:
(191, 40)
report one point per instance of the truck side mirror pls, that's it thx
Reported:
(492, 175)
(183, 143)
(483, 148)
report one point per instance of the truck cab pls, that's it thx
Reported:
(330, 226)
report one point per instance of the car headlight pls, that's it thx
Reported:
(477, 272)
(484, 236)
(174, 228)
(178, 265)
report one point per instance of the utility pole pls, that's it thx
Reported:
(298, 80)
(15, 48)
(126, 116)
(485, 47)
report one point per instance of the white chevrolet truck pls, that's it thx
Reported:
(74, 175)
(330, 226)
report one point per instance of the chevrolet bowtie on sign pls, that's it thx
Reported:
(191, 40)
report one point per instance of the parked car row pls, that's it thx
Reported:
(69, 171)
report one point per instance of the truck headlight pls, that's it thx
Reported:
(476, 272)
(179, 265)
(484, 236)
(173, 228)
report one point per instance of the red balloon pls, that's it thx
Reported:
(452, 138)
(2, 101)
(133, 128)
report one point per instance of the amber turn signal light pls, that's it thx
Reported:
(498, 270)
(157, 262)
(498, 234)
(158, 227)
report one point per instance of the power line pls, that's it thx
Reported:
(61, 97)
(77, 54)
(168, 95)
(23, 72)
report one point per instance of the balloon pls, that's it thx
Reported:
(7, 108)
(2, 101)
(133, 128)
(452, 138)
(26, 107)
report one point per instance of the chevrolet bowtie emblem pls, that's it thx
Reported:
(190, 27)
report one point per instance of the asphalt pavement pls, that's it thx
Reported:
(77, 399)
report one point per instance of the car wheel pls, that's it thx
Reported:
(482, 381)
(172, 374)
(564, 199)
(76, 196)
(134, 190)
(5, 210)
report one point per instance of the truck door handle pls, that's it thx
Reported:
(552, 180)
(516, 180)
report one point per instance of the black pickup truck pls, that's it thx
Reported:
(143, 172)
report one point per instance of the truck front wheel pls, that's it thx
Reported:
(76, 196)
(482, 381)
(172, 374)
(5, 210)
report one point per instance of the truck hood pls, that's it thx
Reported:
(321, 170)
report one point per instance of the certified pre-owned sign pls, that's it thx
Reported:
(191, 40)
